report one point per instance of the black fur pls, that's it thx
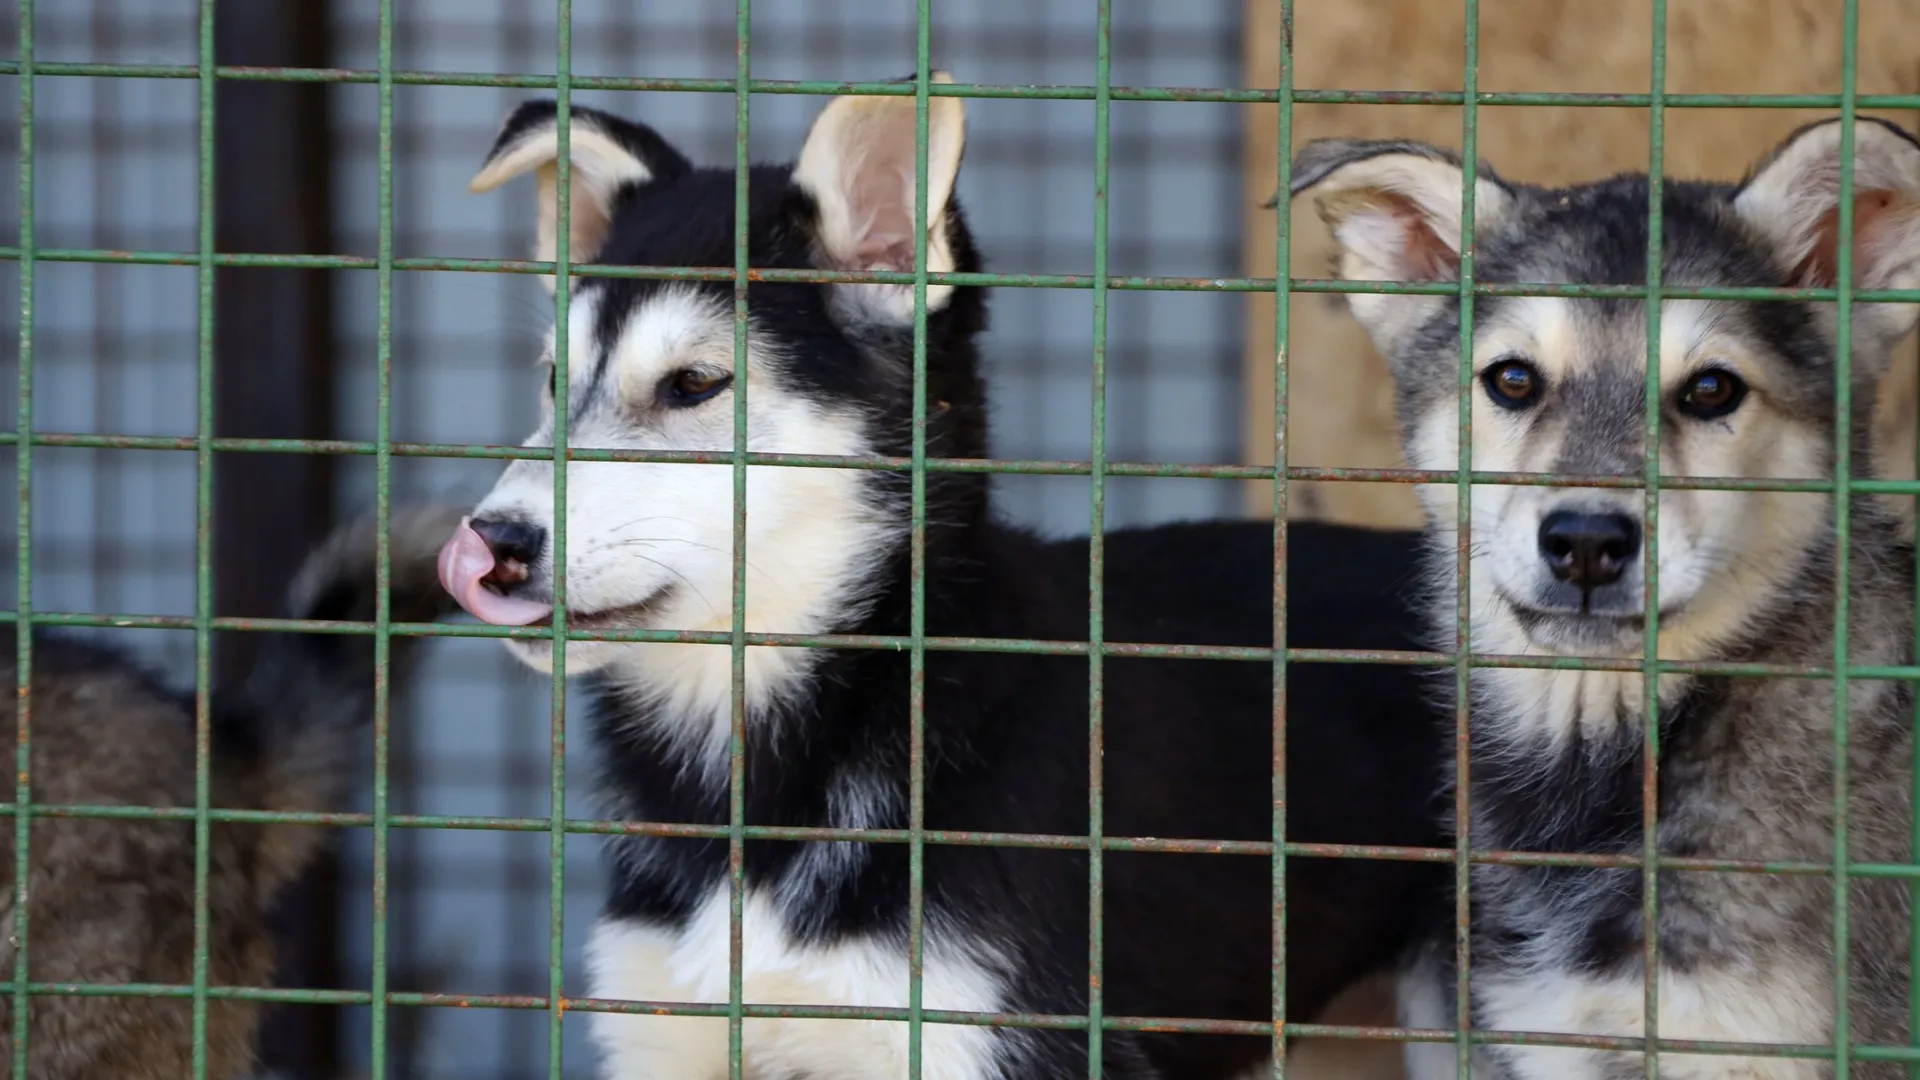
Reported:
(1188, 751)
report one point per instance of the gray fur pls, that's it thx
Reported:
(112, 901)
(1746, 768)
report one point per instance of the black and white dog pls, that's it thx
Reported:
(1188, 744)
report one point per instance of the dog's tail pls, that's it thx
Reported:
(289, 740)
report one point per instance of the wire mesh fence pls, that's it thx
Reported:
(1096, 117)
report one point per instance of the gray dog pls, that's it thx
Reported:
(1746, 769)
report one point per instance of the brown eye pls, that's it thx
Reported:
(1711, 394)
(690, 387)
(1512, 384)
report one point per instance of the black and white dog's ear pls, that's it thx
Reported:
(1792, 199)
(858, 165)
(607, 157)
(1394, 208)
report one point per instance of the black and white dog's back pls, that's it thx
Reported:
(1187, 745)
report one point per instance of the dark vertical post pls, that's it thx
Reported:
(274, 368)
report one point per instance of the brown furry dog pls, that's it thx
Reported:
(112, 900)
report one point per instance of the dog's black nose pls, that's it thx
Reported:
(516, 546)
(1588, 550)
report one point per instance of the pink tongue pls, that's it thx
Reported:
(464, 562)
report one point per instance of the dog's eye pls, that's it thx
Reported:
(1712, 394)
(1512, 384)
(553, 380)
(690, 387)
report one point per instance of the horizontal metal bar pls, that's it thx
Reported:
(961, 838)
(1018, 91)
(665, 273)
(1136, 283)
(1031, 1021)
(996, 466)
(1021, 646)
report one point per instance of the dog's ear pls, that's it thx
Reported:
(858, 165)
(607, 156)
(1792, 199)
(1394, 208)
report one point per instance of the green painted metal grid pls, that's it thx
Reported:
(23, 421)
(1463, 509)
(1096, 553)
(1843, 532)
(737, 736)
(383, 470)
(1282, 259)
(204, 622)
(556, 1002)
(203, 578)
(1650, 686)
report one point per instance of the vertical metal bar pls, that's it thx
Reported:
(557, 736)
(917, 540)
(23, 570)
(1282, 305)
(383, 464)
(1842, 536)
(203, 551)
(1097, 552)
(1913, 929)
(1650, 603)
(737, 743)
(1463, 550)
(106, 286)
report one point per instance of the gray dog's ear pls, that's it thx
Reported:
(1394, 205)
(1394, 208)
(1792, 199)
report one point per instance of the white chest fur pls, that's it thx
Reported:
(645, 962)
(1761, 1002)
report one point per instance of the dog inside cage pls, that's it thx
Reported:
(1747, 768)
(979, 598)
(825, 737)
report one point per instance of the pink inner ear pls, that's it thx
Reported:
(1873, 212)
(882, 204)
(1426, 256)
(886, 253)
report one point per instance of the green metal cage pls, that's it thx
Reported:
(24, 440)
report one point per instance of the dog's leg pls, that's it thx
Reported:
(631, 962)
(1424, 998)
